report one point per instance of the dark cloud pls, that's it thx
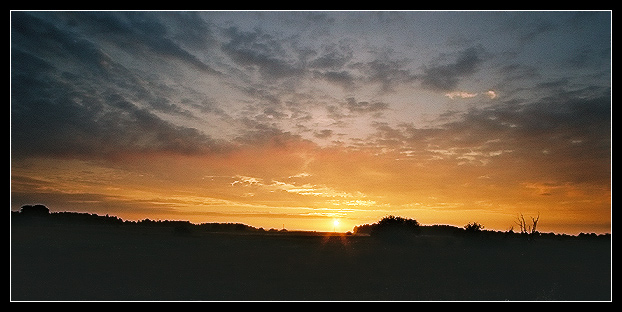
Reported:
(59, 120)
(258, 133)
(513, 72)
(532, 30)
(333, 57)
(566, 138)
(310, 18)
(362, 107)
(262, 93)
(350, 108)
(261, 52)
(68, 97)
(343, 78)
(589, 58)
(526, 30)
(144, 131)
(71, 99)
(388, 137)
(282, 62)
(446, 77)
(34, 34)
(146, 33)
(191, 30)
(385, 71)
(323, 134)
(83, 61)
(286, 59)
(331, 65)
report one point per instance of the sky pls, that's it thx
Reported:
(295, 119)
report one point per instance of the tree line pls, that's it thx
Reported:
(400, 227)
(391, 227)
(41, 214)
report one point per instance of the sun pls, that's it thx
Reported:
(335, 225)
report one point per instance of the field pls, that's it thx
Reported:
(51, 262)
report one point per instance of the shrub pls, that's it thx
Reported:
(392, 226)
(34, 210)
(473, 227)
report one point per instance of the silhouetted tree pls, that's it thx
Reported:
(362, 229)
(395, 227)
(34, 210)
(473, 227)
(528, 230)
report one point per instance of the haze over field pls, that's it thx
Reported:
(296, 119)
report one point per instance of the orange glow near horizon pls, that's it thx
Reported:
(309, 189)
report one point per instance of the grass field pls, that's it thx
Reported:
(121, 263)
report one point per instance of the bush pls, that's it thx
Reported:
(34, 210)
(473, 227)
(395, 227)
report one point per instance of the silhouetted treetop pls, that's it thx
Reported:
(39, 210)
(394, 225)
(473, 227)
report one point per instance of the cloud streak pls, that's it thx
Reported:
(467, 95)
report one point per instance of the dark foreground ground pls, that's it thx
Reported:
(117, 263)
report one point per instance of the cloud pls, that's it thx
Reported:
(565, 138)
(33, 33)
(300, 175)
(446, 77)
(529, 31)
(260, 51)
(460, 94)
(351, 109)
(491, 94)
(385, 71)
(466, 95)
(362, 107)
(342, 78)
(310, 18)
(147, 33)
(52, 114)
(333, 57)
(70, 97)
(513, 72)
(62, 121)
(292, 188)
(247, 181)
(254, 133)
(190, 29)
(323, 134)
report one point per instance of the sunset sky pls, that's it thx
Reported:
(297, 118)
